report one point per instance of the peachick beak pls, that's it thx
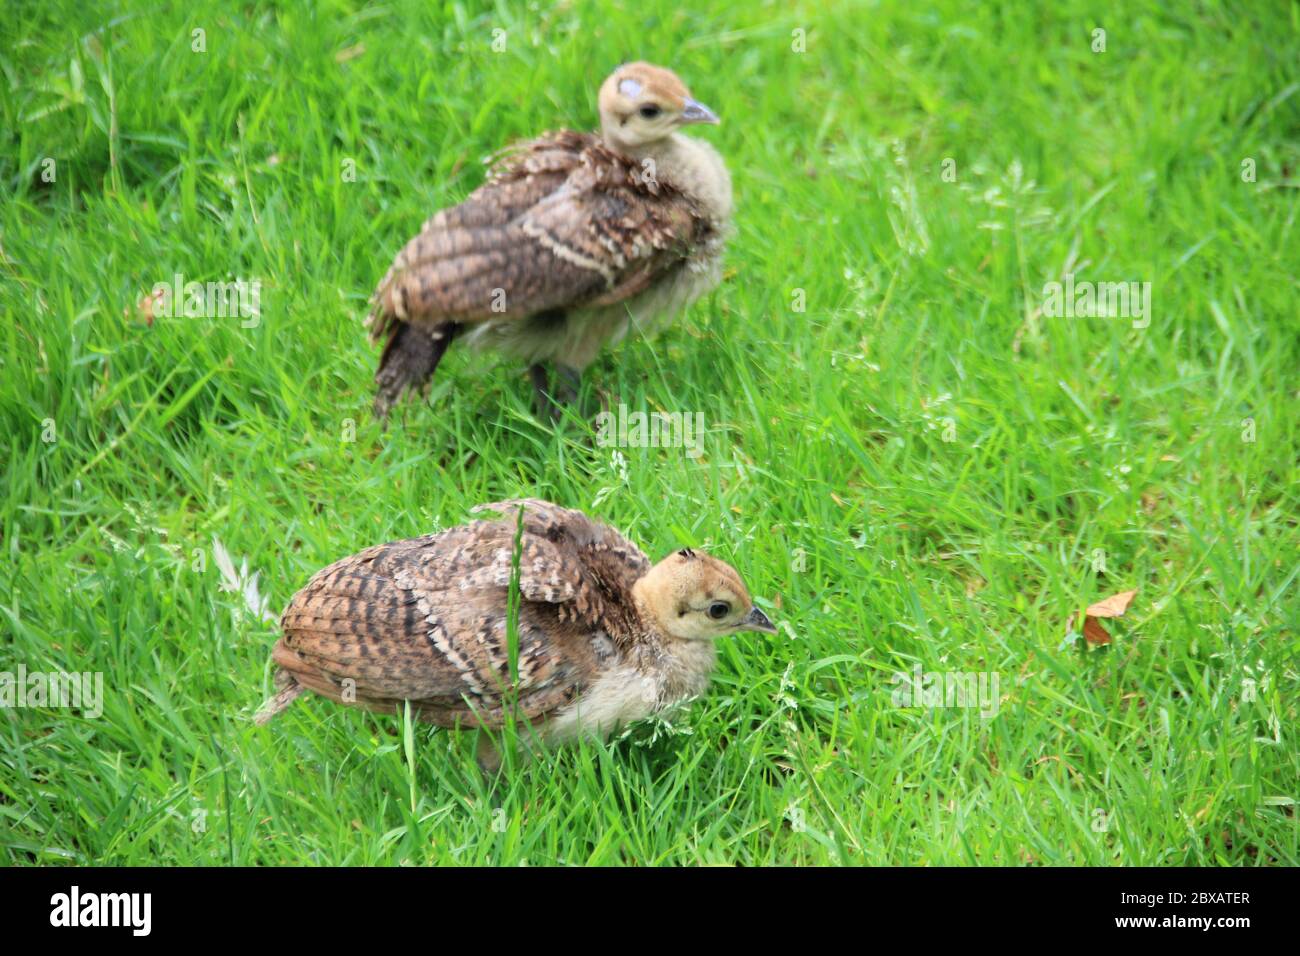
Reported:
(697, 112)
(756, 620)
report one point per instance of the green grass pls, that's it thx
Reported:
(826, 476)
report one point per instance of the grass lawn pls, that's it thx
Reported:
(911, 459)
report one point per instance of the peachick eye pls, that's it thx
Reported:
(649, 112)
(719, 609)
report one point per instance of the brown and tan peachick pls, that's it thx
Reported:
(604, 637)
(574, 239)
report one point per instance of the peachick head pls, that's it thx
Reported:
(641, 104)
(694, 597)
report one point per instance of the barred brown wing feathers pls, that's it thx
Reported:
(563, 221)
(426, 620)
(601, 564)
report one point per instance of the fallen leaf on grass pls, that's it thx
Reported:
(1113, 606)
(1093, 632)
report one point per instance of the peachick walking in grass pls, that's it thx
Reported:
(604, 638)
(574, 239)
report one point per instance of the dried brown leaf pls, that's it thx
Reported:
(1093, 632)
(1113, 606)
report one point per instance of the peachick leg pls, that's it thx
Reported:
(551, 399)
(542, 391)
(570, 380)
(410, 358)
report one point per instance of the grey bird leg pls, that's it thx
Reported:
(570, 380)
(542, 392)
(550, 401)
(409, 360)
